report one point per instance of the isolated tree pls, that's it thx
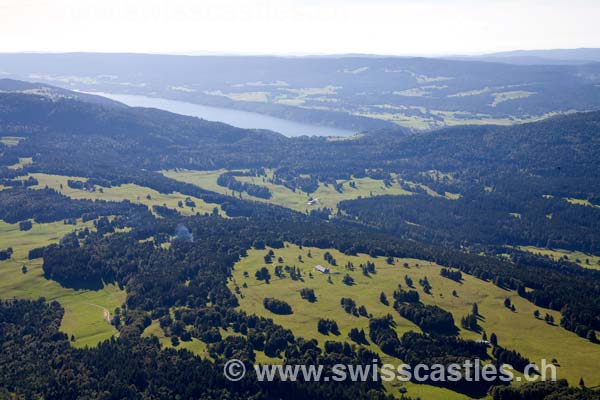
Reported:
(362, 311)
(383, 299)
(308, 294)
(536, 314)
(494, 339)
(475, 310)
(263, 275)
(348, 280)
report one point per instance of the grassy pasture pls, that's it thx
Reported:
(195, 346)
(134, 193)
(84, 309)
(283, 196)
(11, 140)
(516, 330)
(573, 256)
(501, 97)
(23, 162)
(581, 202)
(440, 118)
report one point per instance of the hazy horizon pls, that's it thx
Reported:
(299, 54)
(298, 27)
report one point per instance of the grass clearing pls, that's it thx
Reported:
(501, 97)
(259, 97)
(428, 119)
(584, 260)
(518, 330)
(195, 346)
(84, 309)
(11, 140)
(581, 202)
(297, 200)
(132, 192)
(23, 162)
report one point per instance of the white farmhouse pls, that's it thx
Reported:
(322, 269)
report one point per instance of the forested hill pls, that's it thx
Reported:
(105, 136)
(560, 145)
(53, 92)
(26, 113)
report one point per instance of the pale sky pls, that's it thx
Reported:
(402, 27)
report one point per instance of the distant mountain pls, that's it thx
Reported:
(541, 57)
(361, 93)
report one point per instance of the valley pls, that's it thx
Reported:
(163, 234)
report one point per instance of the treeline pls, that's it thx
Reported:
(559, 390)
(228, 180)
(417, 348)
(47, 205)
(485, 218)
(431, 319)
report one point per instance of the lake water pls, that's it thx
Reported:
(241, 119)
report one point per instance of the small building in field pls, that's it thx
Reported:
(322, 269)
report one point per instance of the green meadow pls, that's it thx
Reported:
(84, 309)
(10, 140)
(297, 200)
(132, 192)
(581, 202)
(23, 162)
(195, 346)
(584, 260)
(518, 330)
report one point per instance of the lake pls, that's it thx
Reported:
(241, 119)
